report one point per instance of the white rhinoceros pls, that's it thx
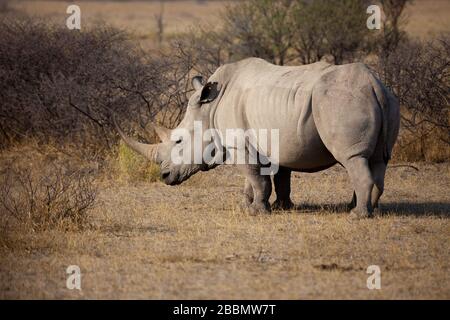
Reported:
(325, 114)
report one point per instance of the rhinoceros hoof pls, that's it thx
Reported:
(258, 208)
(244, 205)
(377, 212)
(349, 207)
(283, 205)
(356, 214)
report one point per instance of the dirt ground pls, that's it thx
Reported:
(154, 241)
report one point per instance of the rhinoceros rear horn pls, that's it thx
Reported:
(147, 150)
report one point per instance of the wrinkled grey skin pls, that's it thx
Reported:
(325, 114)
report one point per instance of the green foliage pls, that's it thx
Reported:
(343, 27)
(285, 30)
(261, 28)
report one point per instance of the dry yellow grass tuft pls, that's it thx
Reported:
(133, 167)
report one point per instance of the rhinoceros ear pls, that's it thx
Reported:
(197, 82)
(209, 92)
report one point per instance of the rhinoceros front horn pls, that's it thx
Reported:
(147, 150)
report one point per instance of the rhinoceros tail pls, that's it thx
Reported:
(383, 103)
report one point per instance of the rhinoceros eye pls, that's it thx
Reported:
(178, 141)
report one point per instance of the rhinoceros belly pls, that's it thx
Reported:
(300, 145)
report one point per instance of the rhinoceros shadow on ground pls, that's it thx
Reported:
(441, 209)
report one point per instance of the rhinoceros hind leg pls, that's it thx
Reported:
(282, 182)
(352, 203)
(378, 172)
(361, 178)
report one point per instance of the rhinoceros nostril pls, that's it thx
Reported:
(165, 174)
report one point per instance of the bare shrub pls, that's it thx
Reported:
(419, 75)
(201, 49)
(63, 85)
(46, 198)
(391, 32)
(159, 19)
(198, 51)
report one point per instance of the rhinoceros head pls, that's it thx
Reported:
(179, 141)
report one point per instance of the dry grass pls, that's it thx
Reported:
(154, 241)
(137, 17)
(132, 167)
(428, 18)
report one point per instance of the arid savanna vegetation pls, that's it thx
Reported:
(72, 194)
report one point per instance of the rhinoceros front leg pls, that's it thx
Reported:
(282, 182)
(378, 171)
(261, 187)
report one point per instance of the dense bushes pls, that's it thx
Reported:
(260, 28)
(62, 85)
(283, 31)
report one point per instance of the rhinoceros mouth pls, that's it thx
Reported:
(174, 183)
(171, 178)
